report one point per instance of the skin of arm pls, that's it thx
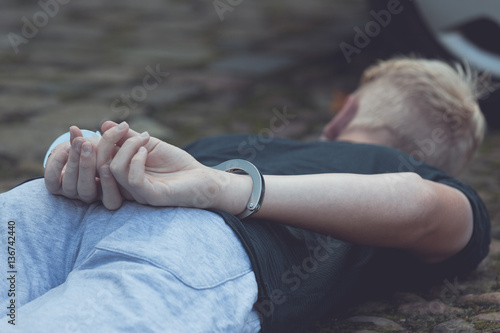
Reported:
(399, 210)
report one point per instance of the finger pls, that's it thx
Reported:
(74, 132)
(137, 167)
(107, 125)
(55, 165)
(94, 140)
(86, 185)
(70, 175)
(121, 162)
(107, 144)
(131, 133)
(125, 194)
(136, 176)
(111, 196)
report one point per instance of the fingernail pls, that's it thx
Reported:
(121, 126)
(144, 135)
(105, 172)
(87, 149)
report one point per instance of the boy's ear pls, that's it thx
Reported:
(341, 119)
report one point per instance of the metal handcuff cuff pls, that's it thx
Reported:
(258, 188)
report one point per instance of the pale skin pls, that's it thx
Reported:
(404, 211)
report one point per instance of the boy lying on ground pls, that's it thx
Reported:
(144, 236)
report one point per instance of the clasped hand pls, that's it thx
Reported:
(123, 164)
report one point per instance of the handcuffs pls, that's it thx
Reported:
(258, 188)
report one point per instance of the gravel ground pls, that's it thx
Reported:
(184, 70)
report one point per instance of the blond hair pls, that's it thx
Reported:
(429, 107)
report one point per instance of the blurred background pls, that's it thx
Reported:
(179, 69)
(188, 69)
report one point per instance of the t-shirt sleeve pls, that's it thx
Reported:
(395, 269)
(478, 246)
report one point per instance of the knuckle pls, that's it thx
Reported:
(107, 136)
(133, 141)
(58, 164)
(115, 168)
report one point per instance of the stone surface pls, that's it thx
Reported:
(380, 322)
(495, 247)
(491, 316)
(454, 326)
(486, 299)
(432, 307)
(253, 64)
(154, 128)
(495, 232)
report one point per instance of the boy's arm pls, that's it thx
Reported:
(431, 220)
(399, 210)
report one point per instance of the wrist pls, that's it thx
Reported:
(233, 191)
(257, 190)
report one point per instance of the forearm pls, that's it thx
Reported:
(400, 210)
(367, 209)
(378, 210)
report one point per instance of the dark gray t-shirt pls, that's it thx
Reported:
(303, 275)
